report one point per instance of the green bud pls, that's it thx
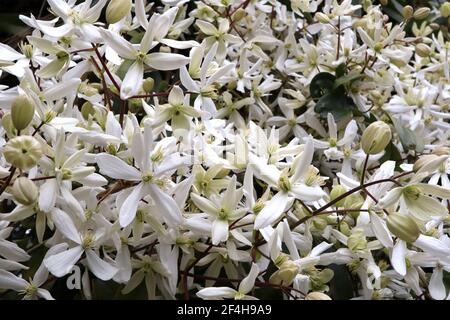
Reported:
(322, 17)
(403, 226)
(319, 223)
(87, 109)
(407, 12)
(423, 50)
(445, 9)
(316, 295)
(117, 9)
(22, 111)
(376, 137)
(354, 201)
(384, 2)
(345, 228)
(421, 13)
(325, 275)
(8, 124)
(285, 275)
(239, 14)
(357, 241)
(423, 160)
(337, 191)
(22, 152)
(25, 191)
(148, 84)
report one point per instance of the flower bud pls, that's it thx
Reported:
(322, 17)
(87, 109)
(441, 151)
(423, 50)
(165, 49)
(407, 12)
(286, 274)
(336, 192)
(421, 13)
(22, 111)
(445, 9)
(239, 14)
(357, 241)
(319, 223)
(345, 228)
(384, 2)
(403, 226)
(8, 124)
(148, 84)
(25, 191)
(316, 295)
(376, 137)
(423, 160)
(22, 152)
(117, 9)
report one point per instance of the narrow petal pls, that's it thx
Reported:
(100, 268)
(169, 209)
(272, 211)
(62, 263)
(219, 231)
(129, 207)
(116, 168)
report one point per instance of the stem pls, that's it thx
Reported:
(12, 170)
(363, 174)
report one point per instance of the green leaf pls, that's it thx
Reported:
(321, 84)
(336, 103)
(391, 153)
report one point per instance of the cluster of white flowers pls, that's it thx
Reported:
(224, 149)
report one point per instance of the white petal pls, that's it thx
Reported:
(65, 225)
(129, 207)
(219, 231)
(132, 82)
(116, 168)
(62, 263)
(168, 207)
(119, 44)
(272, 210)
(166, 61)
(398, 258)
(10, 281)
(381, 231)
(216, 293)
(248, 282)
(47, 195)
(436, 285)
(187, 81)
(100, 268)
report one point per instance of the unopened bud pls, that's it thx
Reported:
(25, 191)
(239, 14)
(376, 137)
(22, 152)
(8, 124)
(336, 192)
(403, 226)
(407, 12)
(148, 85)
(319, 223)
(421, 13)
(22, 111)
(445, 9)
(423, 160)
(322, 17)
(345, 228)
(317, 296)
(286, 274)
(117, 9)
(165, 49)
(384, 2)
(441, 151)
(423, 50)
(87, 109)
(357, 241)
(435, 26)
